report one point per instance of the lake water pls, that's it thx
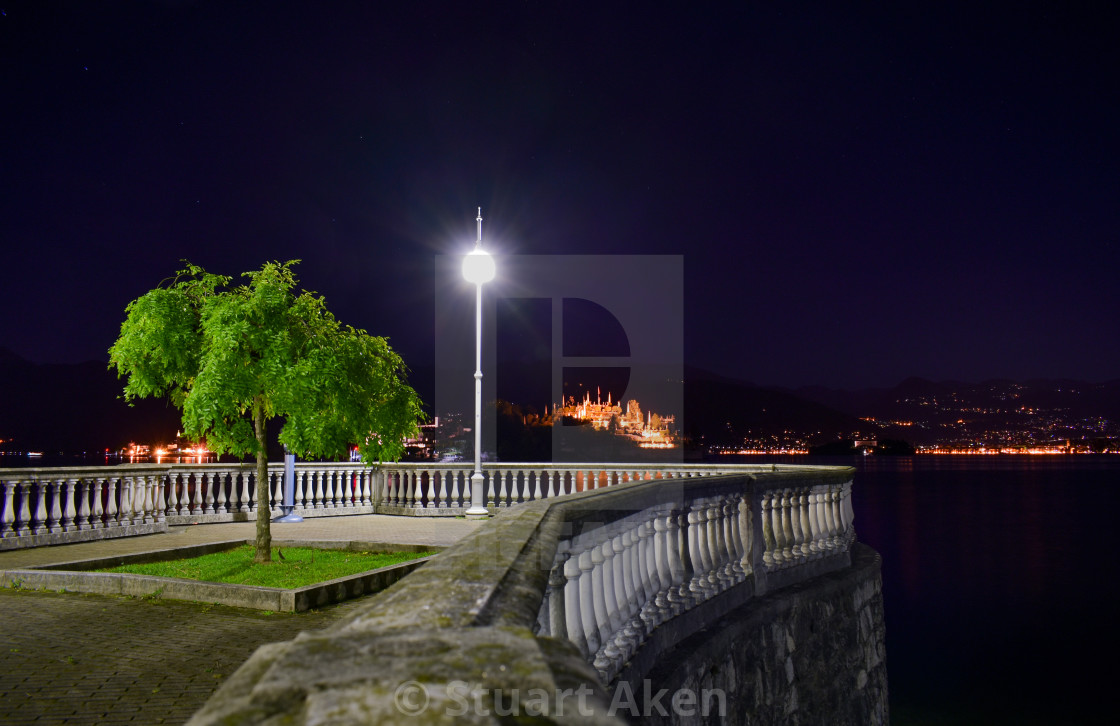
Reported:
(1000, 585)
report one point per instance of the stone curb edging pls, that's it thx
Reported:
(26, 541)
(76, 577)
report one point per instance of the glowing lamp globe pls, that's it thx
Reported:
(478, 266)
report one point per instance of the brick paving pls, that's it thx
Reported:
(90, 659)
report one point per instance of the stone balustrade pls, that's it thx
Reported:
(570, 592)
(69, 504)
(615, 580)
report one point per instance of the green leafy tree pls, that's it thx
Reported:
(233, 358)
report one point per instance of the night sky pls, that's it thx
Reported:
(860, 195)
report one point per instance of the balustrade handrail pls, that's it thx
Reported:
(43, 505)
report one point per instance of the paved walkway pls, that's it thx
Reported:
(90, 659)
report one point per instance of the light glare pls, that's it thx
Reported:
(478, 266)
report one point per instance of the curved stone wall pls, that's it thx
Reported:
(460, 640)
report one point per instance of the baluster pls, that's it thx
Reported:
(787, 527)
(436, 487)
(574, 622)
(276, 479)
(815, 546)
(832, 515)
(112, 513)
(227, 490)
(315, 489)
(801, 512)
(136, 511)
(729, 556)
(631, 631)
(588, 609)
(8, 518)
(353, 489)
(333, 487)
(420, 491)
(69, 511)
(407, 488)
(138, 496)
(498, 494)
(646, 582)
(202, 481)
(148, 503)
(135, 500)
(159, 513)
(779, 529)
(323, 489)
(124, 513)
(83, 519)
(195, 487)
(509, 486)
(538, 490)
(721, 561)
(767, 530)
(717, 581)
(392, 486)
(696, 592)
(555, 596)
(402, 487)
(97, 509)
(362, 496)
(625, 593)
(23, 520)
(683, 555)
(663, 599)
(834, 524)
(602, 556)
(16, 510)
(450, 480)
(244, 491)
(797, 537)
(735, 537)
(54, 515)
(709, 548)
(825, 513)
(847, 514)
(297, 488)
(423, 489)
(173, 493)
(367, 496)
(182, 491)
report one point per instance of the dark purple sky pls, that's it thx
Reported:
(859, 195)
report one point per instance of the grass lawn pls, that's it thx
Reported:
(289, 568)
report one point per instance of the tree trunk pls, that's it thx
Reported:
(264, 513)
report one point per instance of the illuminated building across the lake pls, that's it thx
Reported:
(650, 431)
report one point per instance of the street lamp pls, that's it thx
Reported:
(478, 267)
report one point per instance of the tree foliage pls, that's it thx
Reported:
(234, 357)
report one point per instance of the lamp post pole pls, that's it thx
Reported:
(478, 267)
